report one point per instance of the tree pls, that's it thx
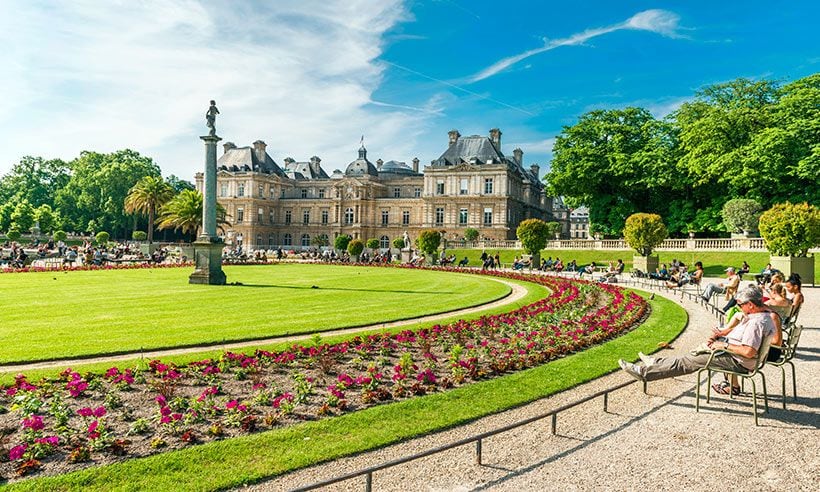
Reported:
(791, 230)
(428, 242)
(60, 236)
(178, 184)
(102, 238)
(553, 228)
(644, 232)
(398, 243)
(341, 242)
(146, 197)
(533, 234)
(184, 213)
(34, 179)
(6, 210)
(22, 218)
(741, 214)
(46, 217)
(13, 234)
(373, 244)
(320, 240)
(139, 235)
(470, 234)
(355, 247)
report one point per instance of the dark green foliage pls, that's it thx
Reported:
(398, 243)
(102, 238)
(429, 241)
(741, 214)
(355, 247)
(373, 243)
(470, 234)
(341, 242)
(791, 230)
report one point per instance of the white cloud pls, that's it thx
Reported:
(85, 75)
(659, 21)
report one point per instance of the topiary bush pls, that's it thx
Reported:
(13, 234)
(791, 230)
(429, 241)
(60, 236)
(341, 242)
(470, 234)
(533, 234)
(644, 232)
(139, 235)
(373, 243)
(741, 214)
(398, 243)
(102, 238)
(355, 247)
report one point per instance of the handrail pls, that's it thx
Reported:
(477, 438)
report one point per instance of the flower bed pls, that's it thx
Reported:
(55, 426)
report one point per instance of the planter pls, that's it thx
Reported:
(801, 265)
(646, 264)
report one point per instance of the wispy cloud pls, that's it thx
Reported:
(105, 76)
(662, 22)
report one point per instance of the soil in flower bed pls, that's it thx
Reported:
(80, 420)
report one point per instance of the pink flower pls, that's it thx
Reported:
(34, 423)
(99, 412)
(17, 452)
(231, 404)
(85, 412)
(92, 430)
(161, 400)
(50, 440)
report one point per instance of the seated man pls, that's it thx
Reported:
(729, 287)
(615, 270)
(464, 262)
(738, 353)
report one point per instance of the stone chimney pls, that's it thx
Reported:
(228, 146)
(259, 150)
(379, 164)
(415, 164)
(535, 168)
(315, 168)
(453, 136)
(519, 156)
(495, 137)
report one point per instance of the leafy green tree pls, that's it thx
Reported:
(470, 234)
(428, 242)
(22, 218)
(791, 230)
(46, 217)
(741, 214)
(533, 234)
(102, 238)
(398, 243)
(60, 236)
(553, 228)
(13, 234)
(320, 240)
(341, 242)
(184, 213)
(373, 244)
(616, 162)
(98, 186)
(34, 179)
(644, 232)
(179, 184)
(355, 247)
(6, 209)
(139, 235)
(146, 197)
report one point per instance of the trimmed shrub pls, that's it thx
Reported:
(429, 241)
(790, 230)
(398, 243)
(13, 234)
(60, 236)
(139, 235)
(533, 234)
(102, 238)
(355, 247)
(644, 232)
(373, 243)
(470, 234)
(741, 214)
(341, 242)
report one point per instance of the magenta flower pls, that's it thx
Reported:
(17, 452)
(99, 412)
(161, 400)
(35, 423)
(85, 412)
(50, 440)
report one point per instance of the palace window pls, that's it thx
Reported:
(384, 242)
(321, 192)
(240, 214)
(417, 192)
(488, 186)
(488, 216)
(396, 192)
(223, 189)
(260, 216)
(385, 217)
(305, 239)
(261, 190)
(462, 216)
(304, 193)
(287, 239)
(462, 189)
(271, 240)
(287, 216)
(405, 217)
(283, 193)
(258, 241)
(324, 216)
(272, 216)
(440, 187)
(439, 216)
(348, 216)
(306, 216)
(241, 189)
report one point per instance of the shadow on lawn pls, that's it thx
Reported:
(314, 287)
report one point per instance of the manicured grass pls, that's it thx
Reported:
(535, 292)
(57, 315)
(234, 462)
(714, 262)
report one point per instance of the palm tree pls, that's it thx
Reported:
(184, 212)
(146, 197)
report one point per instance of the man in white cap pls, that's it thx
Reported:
(729, 287)
(738, 352)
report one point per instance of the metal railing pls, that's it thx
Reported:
(477, 439)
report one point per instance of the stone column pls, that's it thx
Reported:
(208, 246)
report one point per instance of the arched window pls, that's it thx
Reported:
(384, 242)
(258, 241)
(305, 240)
(287, 239)
(348, 216)
(271, 240)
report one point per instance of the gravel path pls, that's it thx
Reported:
(654, 441)
(517, 292)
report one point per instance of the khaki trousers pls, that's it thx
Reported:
(669, 367)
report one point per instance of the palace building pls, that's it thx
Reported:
(298, 205)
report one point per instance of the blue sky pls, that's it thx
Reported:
(311, 77)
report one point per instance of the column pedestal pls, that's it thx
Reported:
(208, 254)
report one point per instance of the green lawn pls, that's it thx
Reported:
(57, 315)
(234, 462)
(714, 262)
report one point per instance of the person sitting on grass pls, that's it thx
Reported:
(738, 353)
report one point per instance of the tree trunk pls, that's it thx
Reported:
(150, 225)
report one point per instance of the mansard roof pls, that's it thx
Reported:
(245, 159)
(474, 149)
(303, 171)
(397, 167)
(361, 166)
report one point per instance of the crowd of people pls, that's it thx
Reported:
(14, 255)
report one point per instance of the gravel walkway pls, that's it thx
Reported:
(654, 441)
(517, 292)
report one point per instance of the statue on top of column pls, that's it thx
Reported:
(210, 118)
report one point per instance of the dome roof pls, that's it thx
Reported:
(361, 166)
(396, 167)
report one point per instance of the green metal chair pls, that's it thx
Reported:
(787, 353)
(762, 354)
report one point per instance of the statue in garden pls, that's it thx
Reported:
(210, 118)
(406, 238)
